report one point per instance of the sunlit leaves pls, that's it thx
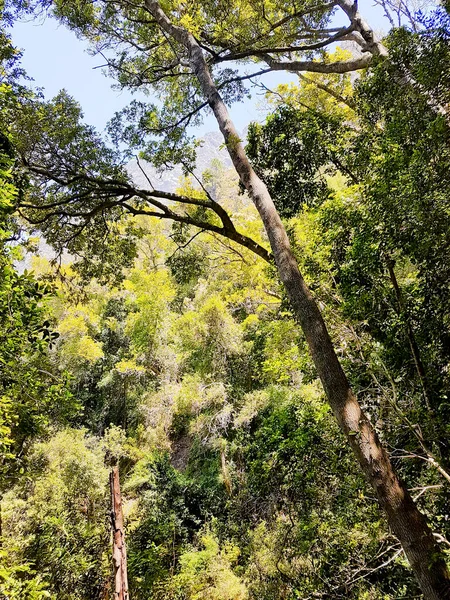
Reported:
(208, 335)
(56, 521)
(207, 573)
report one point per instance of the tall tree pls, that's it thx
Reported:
(30, 394)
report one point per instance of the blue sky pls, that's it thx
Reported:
(56, 59)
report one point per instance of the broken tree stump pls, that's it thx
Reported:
(119, 548)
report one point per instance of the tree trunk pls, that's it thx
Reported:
(119, 548)
(404, 518)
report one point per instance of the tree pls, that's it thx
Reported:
(169, 45)
(396, 161)
(31, 395)
(56, 519)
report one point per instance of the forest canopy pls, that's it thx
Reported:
(255, 353)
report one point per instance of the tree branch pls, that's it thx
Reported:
(262, 52)
(70, 207)
(372, 44)
(329, 90)
(313, 66)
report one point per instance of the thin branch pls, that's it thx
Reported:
(187, 243)
(228, 247)
(261, 52)
(371, 571)
(215, 206)
(144, 173)
(329, 90)
(424, 489)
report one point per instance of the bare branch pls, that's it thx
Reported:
(144, 173)
(313, 66)
(186, 244)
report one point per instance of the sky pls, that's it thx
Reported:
(56, 59)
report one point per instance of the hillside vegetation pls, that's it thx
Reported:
(178, 340)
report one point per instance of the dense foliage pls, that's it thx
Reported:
(177, 355)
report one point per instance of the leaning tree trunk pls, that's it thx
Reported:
(119, 547)
(404, 518)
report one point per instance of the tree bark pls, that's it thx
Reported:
(404, 518)
(370, 42)
(119, 547)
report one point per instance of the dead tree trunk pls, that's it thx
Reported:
(119, 548)
(406, 521)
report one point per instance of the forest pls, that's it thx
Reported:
(235, 386)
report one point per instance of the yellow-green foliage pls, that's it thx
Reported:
(254, 402)
(156, 413)
(207, 333)
(205, 405)
(268, 552)
(150, 295)
(76, 343)
(129, 367)
(283, 356)
(214, 414)
(207, 574)
(62, 510)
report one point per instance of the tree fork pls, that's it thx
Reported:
(119, 547)
(404, 518)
